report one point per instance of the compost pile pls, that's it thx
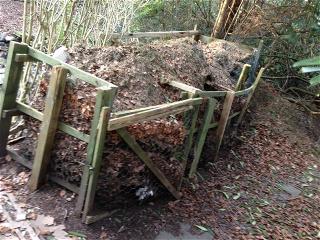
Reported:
(138, 71)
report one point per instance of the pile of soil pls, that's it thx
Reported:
(138, 70)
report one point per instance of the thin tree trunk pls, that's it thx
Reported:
(227, 11)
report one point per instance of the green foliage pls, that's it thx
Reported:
(309, 66)
(163, 15)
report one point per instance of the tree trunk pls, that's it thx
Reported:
(227, 12)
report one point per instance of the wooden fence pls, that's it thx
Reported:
(105, 121)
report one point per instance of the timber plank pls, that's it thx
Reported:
(146, 159)
(243, 77)
(9, 90)
(227, 105)
(104, 98)
(202, 134)
(96, 162)
(48, 127)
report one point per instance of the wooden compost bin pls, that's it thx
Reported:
(103, 123)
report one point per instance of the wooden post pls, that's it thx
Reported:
(254, 86)
(96, 163)
(146, 159)
(223, 121)
(189, 142)
(9, 90)
(243, 77)
(202, 135)
(104, 98)
(48, 127)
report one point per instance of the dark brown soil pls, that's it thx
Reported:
(11, 16)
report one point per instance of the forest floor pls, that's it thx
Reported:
(265, 185)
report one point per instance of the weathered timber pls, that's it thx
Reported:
(25, 58)
(28, 164)
(182, 86)
(223, 121)
(155, 34)
(212, 94)
(202, 134)
(104, 98)
(161, 111)
(243, 77)
(61, 126)
(96, 162)
(87, 77)
(189, 141)
(92, 218)
(146, 159)
(253, 88)
(9, 90)
(48, 127)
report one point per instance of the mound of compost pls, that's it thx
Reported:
(138, 71)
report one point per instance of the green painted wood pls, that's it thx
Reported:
(161, 111)
(202, 134)
(87, 77)
(104, 98)
(253, 89)
(48, 127)
(96, 162)
(243, 77)
(24, 108)
(9, 90)
(146, 159)
(223, 122)
(189, 142)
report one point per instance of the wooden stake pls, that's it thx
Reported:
(146, 159)
(9, 90)
(202, 135)
(96, 163)
(243, 77)
(254, 86)
(105, 97)
(48, 126)
(223, 121)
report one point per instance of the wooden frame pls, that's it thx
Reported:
(104, 121)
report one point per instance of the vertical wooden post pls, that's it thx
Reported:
(104, 98)
(9, 90)
(48, 127)
(202, 135)
(96, 162)
(189, 142)
(223, 121)
(243, 77)
(245, 107)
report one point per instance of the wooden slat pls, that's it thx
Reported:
(146, 159)
(28, 164)
(87, 77)
(155, 34)
(183, 87)
(162, 111)
(25, 58)
(253, 89)
(211, 94)
(223, 122)
(189, 141)
(61, 126)
(202, 134)
(48, 127)
(9, 90)
(96, 162)
(243, 77)
(104, 98)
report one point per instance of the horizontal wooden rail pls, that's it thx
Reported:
(161, 111)
(61, 126)
(87, 77)
(28, 164)
(156, 34)
(182, 86)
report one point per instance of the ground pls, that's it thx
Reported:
(265, 185)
